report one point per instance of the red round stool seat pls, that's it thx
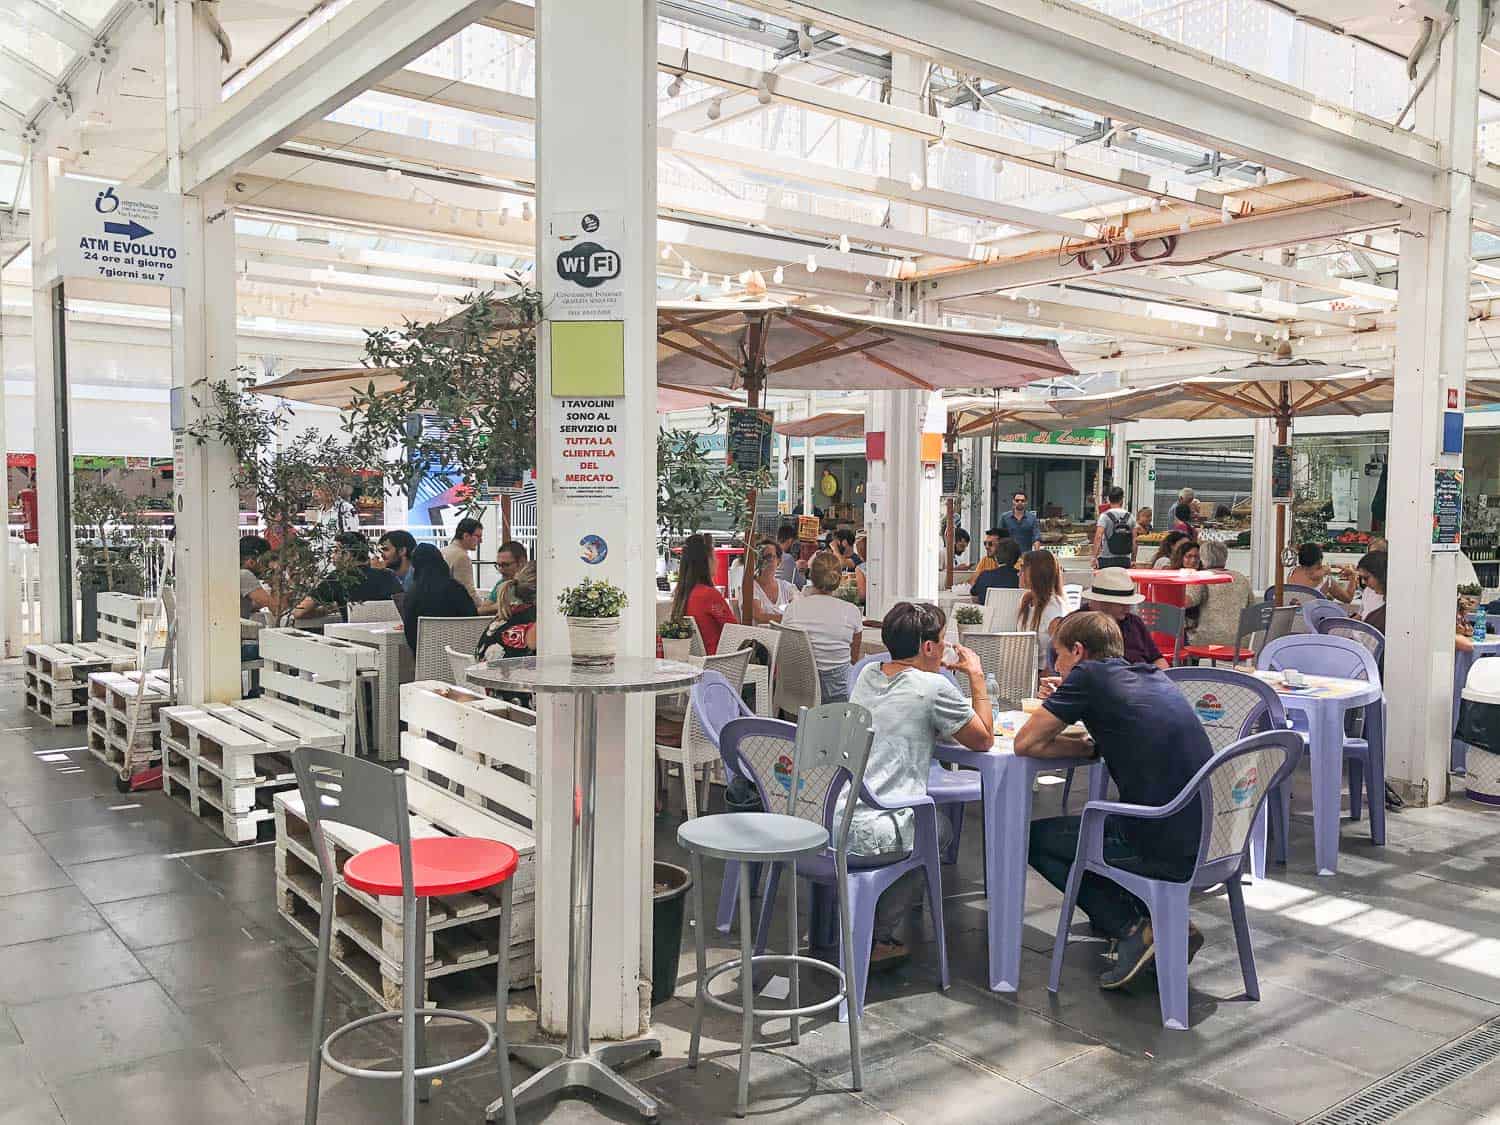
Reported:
(440, 865)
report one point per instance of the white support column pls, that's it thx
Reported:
(809, 462)
(204, 347)
(903, 537)
(1431, 327)
(1262, 511)
(598, 155)
(984, 460)
(50, 416)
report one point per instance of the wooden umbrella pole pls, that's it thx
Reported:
(949, 441)
(753, 391)
(1283, 420)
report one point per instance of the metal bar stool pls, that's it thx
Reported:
(832, 747)
(372, 798)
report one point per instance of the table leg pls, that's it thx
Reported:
(1007, 820)
(1326, 749)
(1458, 750)
(575, 1067)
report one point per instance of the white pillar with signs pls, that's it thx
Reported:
(50, 417)
(596, 500)
(1431, 345)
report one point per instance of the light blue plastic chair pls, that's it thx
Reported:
(1230, 790)
(1324, 609)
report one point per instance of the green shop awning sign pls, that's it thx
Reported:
(1058, 437)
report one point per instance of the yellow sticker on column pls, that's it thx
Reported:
(588, 358)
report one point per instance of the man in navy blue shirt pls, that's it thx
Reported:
(1003, 575)
(1153, 744)
(1021, 525)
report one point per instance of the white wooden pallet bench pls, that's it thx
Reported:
(471, 771)
(123, 616)
(57, 677)
(112, 697)
(225, 761)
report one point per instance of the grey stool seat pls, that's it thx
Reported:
(754, 837)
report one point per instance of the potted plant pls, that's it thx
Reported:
(676, 638)
(970, 618)
(593, 613)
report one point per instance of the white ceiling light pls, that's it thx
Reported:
(843, 244)
(715, 109)
(526, 210)
(779, 276)
(687, 268)
(674, 87)
(805, 39)
(812, 263)
(666, 252)
(392, 174)
(915, 181)
(763, 92)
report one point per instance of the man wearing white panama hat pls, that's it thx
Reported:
(1112, 592)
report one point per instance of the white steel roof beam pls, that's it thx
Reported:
(1315, 280)
(363, 43)
(1249, 304)
(53, 23)
(1206, 243)
(1083, 58)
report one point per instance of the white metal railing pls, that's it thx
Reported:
(23, 601)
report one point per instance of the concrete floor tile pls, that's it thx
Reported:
(1479, 1091)
(1360, 1039)
(62, 966)
(221, 966)
(935, 1087)
(237, 873)
(44, 914)
(30, 871)
(77, 1034)
(173, 917)
(1289, 1081)
(190, 1085)
(112, 880)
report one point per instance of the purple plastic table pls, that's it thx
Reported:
(1458, 754)
(1324, 702)
(1006, 780)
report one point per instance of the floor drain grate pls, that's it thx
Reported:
(1423, 1079)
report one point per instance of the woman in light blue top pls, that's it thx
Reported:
(913, 707)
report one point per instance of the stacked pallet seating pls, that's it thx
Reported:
(57, 677)
(112, 704)
(122, 617)
(225, 761)
(472, 772)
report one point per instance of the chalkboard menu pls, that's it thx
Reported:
(1447, 509)
(748, 446)
(1281, 474)
(953, 467)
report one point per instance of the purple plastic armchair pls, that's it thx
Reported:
(1324, 609)
(762, 750)
(1231, 788)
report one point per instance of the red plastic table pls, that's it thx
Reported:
(1169, 587)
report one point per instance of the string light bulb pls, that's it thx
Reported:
(915, 181)
(666, 252)
(843, 244)
(869, 287)
(504, 215)
(812, 263)
(715, 109)
(674, 87)
(763, 91)
(1155, 205)
(687, 269)
(779, 275)
(392, 175)
(526, 210)
(1185, 226)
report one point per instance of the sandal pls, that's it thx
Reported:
(886, 956)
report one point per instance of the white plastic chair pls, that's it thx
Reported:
(435, 635)
(1011, 659)
(797, 684)
(458, 663)
(1072, 597)
(698, 753)
(370, 612)
(1002, 610)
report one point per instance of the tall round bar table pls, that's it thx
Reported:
(576, 1066)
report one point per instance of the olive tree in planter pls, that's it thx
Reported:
(281, 473)
(474, 374)
(110, 559)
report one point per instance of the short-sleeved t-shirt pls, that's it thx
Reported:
(996, 578)
(370, 585)
(1114, 521)
(1139, 647)
(911, 711)
(1146, 732)
(249, 583)
(831, 624)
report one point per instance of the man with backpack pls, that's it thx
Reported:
(1114, 535)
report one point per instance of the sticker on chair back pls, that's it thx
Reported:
(782, 771)
(1209, 709)
(1245, 787)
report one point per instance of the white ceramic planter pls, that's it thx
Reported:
(595, 640)
(676, 648)
(965, 630)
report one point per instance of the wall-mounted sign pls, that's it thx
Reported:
(119, 233)
(588, 454)
(1281, 474)
(583, 266)
(1447, 509)
(748, 448)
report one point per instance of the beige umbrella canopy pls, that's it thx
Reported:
(762, 342)
(335, 386)
(832, 424)
(963, 420)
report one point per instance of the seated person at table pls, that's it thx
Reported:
(1163, 557)
(255, 596)
(834, 626)
(396, 547)
(1153, 744)
(1219, 611)
(792, 568)
(1312, 571)
(1003, 575)
(1112, 593)
(515, 633)
(1041, 608)
(697, 597)
(1188, 555)
(1371, 573)
(913, 706)
(510, 557)
(433, 592)
(353, 580)
(768, 592)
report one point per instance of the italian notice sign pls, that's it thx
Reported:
(588, 455)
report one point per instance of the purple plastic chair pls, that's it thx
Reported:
(1231, 706)
(762, 750)
(1315, 613)
(1326, 655)
(1361, 631)
(1301, 594)
(1230, 790)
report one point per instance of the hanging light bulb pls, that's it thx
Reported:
(392, 175)
(869, 287)
(687, 269)
(1317, 330)
(666, 252)
(453, 216)
(526, 210)
(1353, 322)
(1200, 331)
(843, 244)
(1033, 311)
(1155, 206)
(504, 215)
(999, 166)
(1229, 336)
(715, 109)
(812, 263)
(1185, 226)
(1260, 178)
(674, 87)
(915, 181)
(779, 276)
(763, 91)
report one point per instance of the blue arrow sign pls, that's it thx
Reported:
(131, 230)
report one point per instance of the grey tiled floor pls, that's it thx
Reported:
(141, 985)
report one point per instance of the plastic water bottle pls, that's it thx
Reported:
(992, 687)
(1480, 625)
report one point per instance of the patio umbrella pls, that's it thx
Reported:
(831, 424)
(1281, 388)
